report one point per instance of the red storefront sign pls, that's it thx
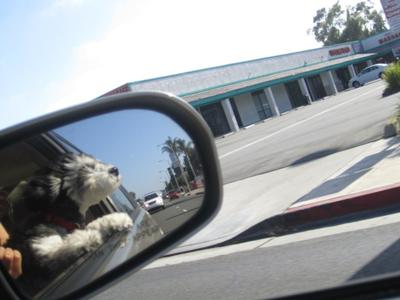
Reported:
(339, 51)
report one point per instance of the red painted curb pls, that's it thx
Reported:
(339, 206)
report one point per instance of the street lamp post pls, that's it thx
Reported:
(170, 172)
(171, 149)
(190, 165)
(181, 169)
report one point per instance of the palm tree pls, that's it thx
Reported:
(186, 147)
(171, 147)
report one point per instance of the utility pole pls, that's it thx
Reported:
(171, 173)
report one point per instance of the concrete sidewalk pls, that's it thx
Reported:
(371, 181)
(367, 184)
(375, 167)
(249, 202)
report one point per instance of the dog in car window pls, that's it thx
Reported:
(47, 212)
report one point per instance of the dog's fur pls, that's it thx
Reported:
(66, 190)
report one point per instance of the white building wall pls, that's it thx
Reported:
(380, 39)
(327, 83)
(281, 98)
(203, 79)
(272, 101)
(304, 89)
(352, 71)
(247, 109)
(338, 82)
(230, 116)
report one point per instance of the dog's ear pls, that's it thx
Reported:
(41, 191)
(59, 166)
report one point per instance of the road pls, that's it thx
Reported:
(296, 140)
(272, 267)
(177, 212)
(351, 118)
(293, 263)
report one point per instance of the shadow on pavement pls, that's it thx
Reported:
(386, 262)
(350, 175)
(314, 155)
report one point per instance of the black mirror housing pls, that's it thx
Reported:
(174, 108)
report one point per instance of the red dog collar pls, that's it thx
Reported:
(60, 221)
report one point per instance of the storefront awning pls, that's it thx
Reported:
(225, 91)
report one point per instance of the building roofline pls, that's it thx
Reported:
(381, 47)
(259, 76)
(376, 34)
(269, 83)
(122, 88)
(237, 63)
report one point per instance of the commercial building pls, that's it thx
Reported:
(237, 95)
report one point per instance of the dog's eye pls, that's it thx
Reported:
(88, 167)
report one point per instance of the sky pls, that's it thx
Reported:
(58, 53)
(130, 140)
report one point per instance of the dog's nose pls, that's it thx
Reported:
(114, 171)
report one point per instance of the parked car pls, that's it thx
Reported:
(173, 195)
(165, 195)
(368, 74)
(153, 201)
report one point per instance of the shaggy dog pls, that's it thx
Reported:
(47, 213)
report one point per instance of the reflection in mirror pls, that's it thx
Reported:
(81, 199)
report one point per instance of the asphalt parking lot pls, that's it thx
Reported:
(351, 118)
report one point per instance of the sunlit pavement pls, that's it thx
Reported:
(293, 263)
(349, 119)
(276, 241)
(272, 267)
(266, 200)
(252, 200)
(377, 166)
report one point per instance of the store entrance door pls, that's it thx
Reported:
(215, 117)
(316, 86)
(295, 94)
(344, 76)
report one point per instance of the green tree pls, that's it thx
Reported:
(195, 160)
(186, 148)
(337, 25)
(171, 147)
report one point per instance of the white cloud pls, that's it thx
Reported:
(153, 38)
(150, 38)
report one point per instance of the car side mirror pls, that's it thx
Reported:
(92, 193)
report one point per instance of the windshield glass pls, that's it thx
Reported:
(151, 196)
(301, 97)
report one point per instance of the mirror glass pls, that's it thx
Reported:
(81, 199)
